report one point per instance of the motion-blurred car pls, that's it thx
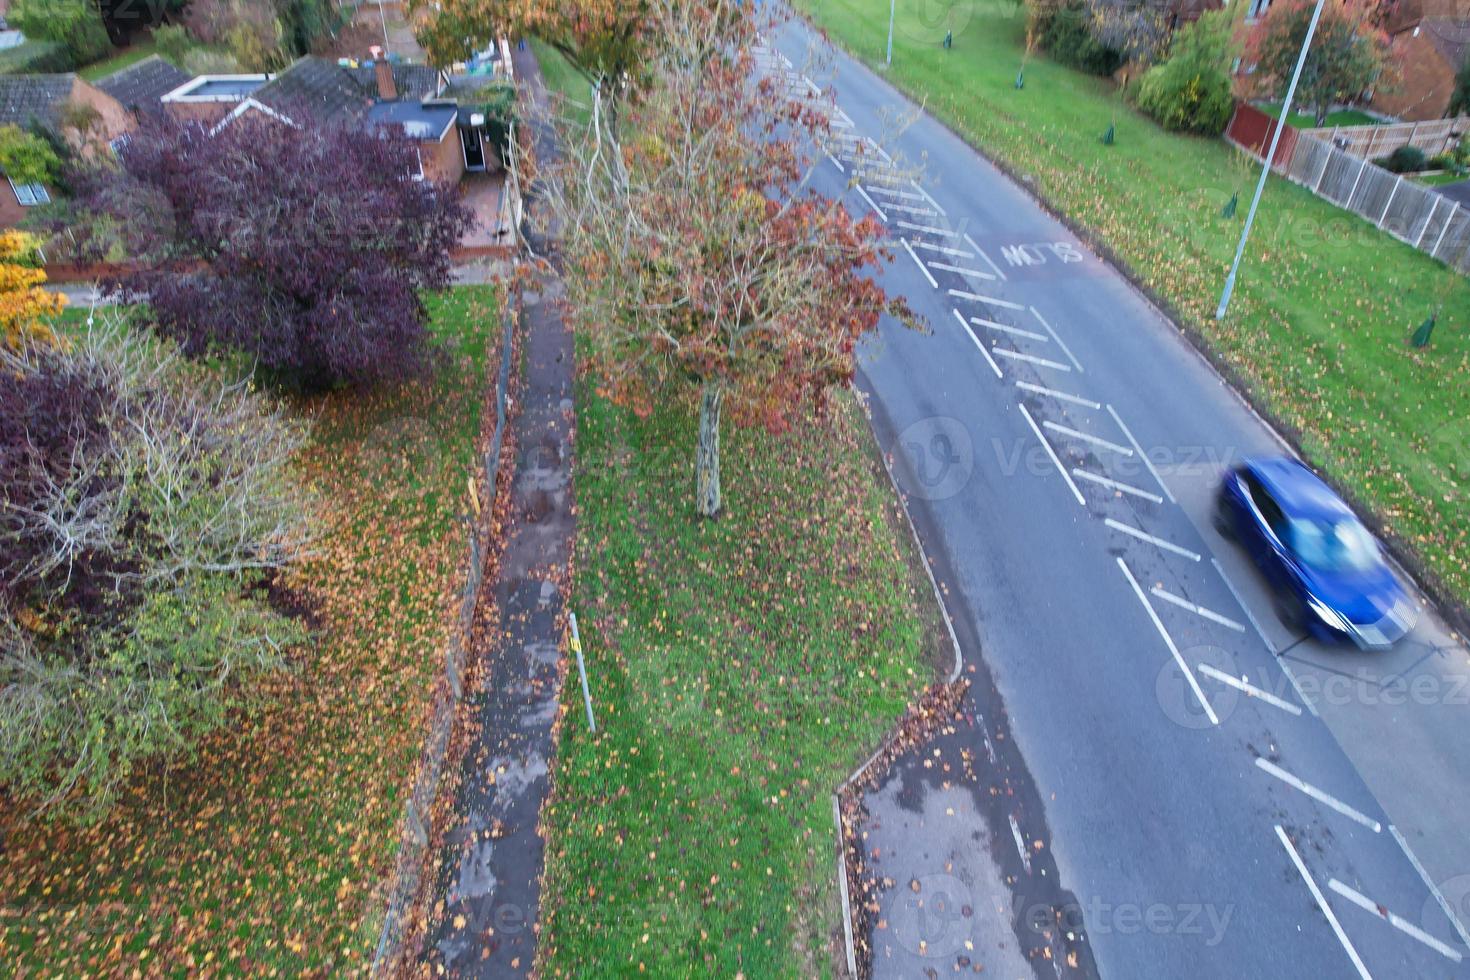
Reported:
(1328, 573)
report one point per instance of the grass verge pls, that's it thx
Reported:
(740, 669)
(130, 55)
(269, 852)
(1306, 120)
(1318, 327)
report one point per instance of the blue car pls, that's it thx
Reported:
(1326, 569)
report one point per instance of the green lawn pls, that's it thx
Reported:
(562, 79)
(1435, 180)
(1306, 120)
(130, 55)
(1325, 302)
(740, 669)
(269, 854)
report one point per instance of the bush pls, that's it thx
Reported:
(76, 24)
(303, 249)
(1404, 160)
(36, 58)
(1191, 91)
(172, 42)
(148, 501)
(1066, 35)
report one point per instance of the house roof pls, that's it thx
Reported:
(140, 86)
(1450, 37)
(412, 81)
(318, 87)
(418, 121)
(24, 98)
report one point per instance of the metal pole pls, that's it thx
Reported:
(1270, 159)
(582, 669)
(888, 59)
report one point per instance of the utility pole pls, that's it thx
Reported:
(892, 4)
(1270, 159)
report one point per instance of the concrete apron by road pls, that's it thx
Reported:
(1203, 793)
(492, 887)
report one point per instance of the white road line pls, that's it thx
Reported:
(881, 152)
(845, 119)
(1053, 393)
(928, 229)
(1115, 485)
(837, 163)
(1198, 610)
(1240, 684)
(871, 203)
(895, 192)
(1157, 542)
(1060, 342)
(812, 85)
(1244, 608)
(980, 321)
(1053, 454)
(1016, 355)
(1326, 799)
(1296, 686)
(1428, 883)
(992, 265)
(976, 340)
(1085, 437)
(1169, 642)
(1020, 844)
(927, 274)
(1321, 900)
(1007, 304)
(1142, 455)
(913, 209)
(927, 197)
(882, 176)
(1392, 918)
(974, 273)
(943, 249)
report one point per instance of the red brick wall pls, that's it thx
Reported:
(1426, 86)
(443, 161)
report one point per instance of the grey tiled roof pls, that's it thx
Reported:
(140, 86)
(414, 82)
(24, 98)
(316, 87)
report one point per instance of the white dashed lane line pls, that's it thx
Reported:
(927, 274)
(1326, 799)
(914, 209)
(1156, 542)
(991, 300)
(944, 250)
(1429, 883)
(1394, 919)
(980, 321)
(976, 341)
(1060, 395)
(971, 273)
(1169, 642)
(1060, 343)
(932, 202)
(1142, 455)
(872, 204)
(1321, 900)
(988, 261)
(1020, 844)
(837, 163)
(895, 192)
(1071, 484)
(1103, 481)
(927, 229)
(1198, 610)
(1016, 355)
(1240, 684)
(1087, 437)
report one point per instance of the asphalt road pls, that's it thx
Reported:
(1207, 794)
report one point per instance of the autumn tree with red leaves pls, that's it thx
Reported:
(699, 264)
(1349, 55)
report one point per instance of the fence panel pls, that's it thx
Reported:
(1433, 136)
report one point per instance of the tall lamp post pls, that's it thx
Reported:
(888, 59)
(1270, 158)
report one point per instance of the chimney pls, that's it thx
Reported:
(383, 72)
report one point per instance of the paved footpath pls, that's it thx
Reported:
(490, 892)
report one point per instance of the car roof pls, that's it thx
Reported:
(1299, 491)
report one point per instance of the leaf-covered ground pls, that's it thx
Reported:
(1325, 302)
(740, 669)
(269, 852)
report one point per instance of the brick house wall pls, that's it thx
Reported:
(443, 161)
(112, 119)
(1427, 81)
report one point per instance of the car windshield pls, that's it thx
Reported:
(1342, 545)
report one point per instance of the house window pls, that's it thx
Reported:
(29, 195)
(1256, 9)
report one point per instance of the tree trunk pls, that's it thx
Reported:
(707, 454)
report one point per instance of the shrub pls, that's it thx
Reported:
(77, 24)
(35, 58)
(172, 42)
(250, 48)
(304, 248)
(1065, 33)
(24, 305)
(1404, 160)
(1191, 92)
(148, 501)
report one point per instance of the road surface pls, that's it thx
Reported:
(1157, 779)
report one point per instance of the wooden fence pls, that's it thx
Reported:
(1433, 136)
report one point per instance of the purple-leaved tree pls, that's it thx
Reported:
(303, 247)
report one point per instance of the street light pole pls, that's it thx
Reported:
(1270, 157)
(888, 60)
